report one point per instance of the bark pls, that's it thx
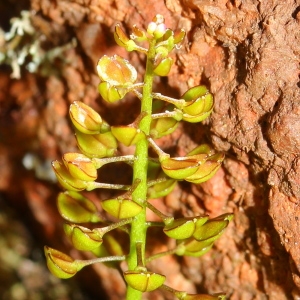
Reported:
(247, 53)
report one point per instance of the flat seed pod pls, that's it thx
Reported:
(180, 167)
(60, 264)
(97, 145)
(80, 166)
(180, 228)
(210, 229)
(144, 281)
(121, 208)
(127, 135)
(65, 179)
(84, 118)
(75, 208)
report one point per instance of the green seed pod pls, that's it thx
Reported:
(60, 264)
(144, 281)
(73, 207)
(199, 104)
(97, 145)
(202, 149)
(127, 135)
(179, 167)
(80, 166)
(121, 208)
(195, 254)
(207, 169)
(65, 179)
(180, 228)
(192, 245)
(162, 126)
(161, 189)
(110, 93)
(83, 238)
(210, 229)
(116, 71)
(84, 118)
(163, 67)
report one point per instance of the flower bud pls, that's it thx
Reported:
(122, 39)
(121, 208)
(84, 118)
(127, 135)
(73, 207)
(179, 36)
(65, 179)
(116, 71)
(83, 238)
(157, 28)
(138, 34)
(60, 264)
(80, 166)
(97, 145)
(144, 281)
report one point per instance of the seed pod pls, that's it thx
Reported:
(121, 208)
(73, 207)
(80, 166)
(65, 179)
(97, 145)
(163, 67)
(207, 169)
(127, 135)
(161, 189)
(213, 227)
(110, 93)
(116, 71)
(180, 167)
(199, 104)
(179, 229)
(83, 238)
(144, 281)
(60, 264)
(84, 118)
(162, 126)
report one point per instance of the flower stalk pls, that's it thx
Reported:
(152, 177)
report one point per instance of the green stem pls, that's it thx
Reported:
(179, 103)
(139, 225)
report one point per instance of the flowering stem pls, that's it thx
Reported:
(140, 165)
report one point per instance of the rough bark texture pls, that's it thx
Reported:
(247, 52)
